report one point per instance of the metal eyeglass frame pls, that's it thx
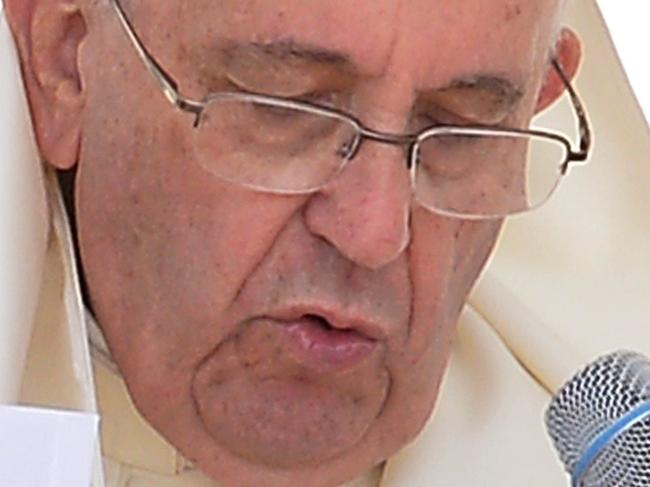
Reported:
(171, 91)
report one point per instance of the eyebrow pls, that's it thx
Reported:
(289, 50)
(479, 98)
(283, 68)
(503, 93)
(505, 90)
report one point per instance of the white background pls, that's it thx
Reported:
(629, 24)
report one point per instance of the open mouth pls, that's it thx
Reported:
(315, 339)
(325, 325)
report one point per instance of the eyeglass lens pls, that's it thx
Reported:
(269, 146)
(487, 175)
(287, 149)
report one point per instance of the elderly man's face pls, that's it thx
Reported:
(280, 340)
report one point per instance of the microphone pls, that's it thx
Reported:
(600, 422)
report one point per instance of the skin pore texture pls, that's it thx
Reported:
(211, 294)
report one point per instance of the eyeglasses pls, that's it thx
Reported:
(287, 146)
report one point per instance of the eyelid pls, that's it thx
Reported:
(309, 96)
(465, 106)
(432, 120)
(440, 116)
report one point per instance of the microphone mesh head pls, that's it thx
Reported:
(591, 402)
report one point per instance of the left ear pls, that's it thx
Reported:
(568, 53)
(49, 35)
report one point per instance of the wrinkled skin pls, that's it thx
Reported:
(184, 268)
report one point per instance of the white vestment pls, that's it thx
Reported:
(581, 265)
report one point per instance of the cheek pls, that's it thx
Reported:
(446, 256)
(165, 245)
(474, 244)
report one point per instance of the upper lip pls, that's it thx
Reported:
(335, 318)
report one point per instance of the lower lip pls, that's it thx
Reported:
(312, 342)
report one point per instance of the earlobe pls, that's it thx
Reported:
(49, 36)
(568, 53)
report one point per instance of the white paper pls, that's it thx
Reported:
(46, 448)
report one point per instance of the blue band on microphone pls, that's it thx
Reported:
(606, 438)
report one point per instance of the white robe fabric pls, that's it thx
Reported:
(23, 220)
(579, 265)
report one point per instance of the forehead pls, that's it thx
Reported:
(432, 39)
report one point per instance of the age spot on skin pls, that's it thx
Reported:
(513, 11)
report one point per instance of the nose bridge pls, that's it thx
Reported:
(365, 211)
(384, 109)
(384, 104)
(407, 143)
(387, 137)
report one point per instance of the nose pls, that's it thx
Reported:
(364, 212)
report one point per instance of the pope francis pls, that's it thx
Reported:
(244, 234)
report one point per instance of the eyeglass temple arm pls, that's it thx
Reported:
(170, 87)
(167, 83)
(583, 121)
